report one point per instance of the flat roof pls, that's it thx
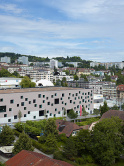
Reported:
(24, 90)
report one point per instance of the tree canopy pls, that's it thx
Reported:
(104, 108)
(26, 83)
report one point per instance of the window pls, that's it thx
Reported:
(74, 102)
(1, 99)
(79, 92)
(70, 101)
(34, 101)
(2, 109)
(52, 104)
(34, 117)
(47, 111)
(47, 98)
(55, 94)
(54, 115)
(82, 93)
(48, 103)
(51, 96)
(43, 96)
(17, 105)
(79, 102)
(28, 112)
(25, 108)
(50, 114)
(21, 97)
(35, 105)
(55, 109)
(61, 98)
(77, 106)
(78, 97)
(11, 101)
(75, 98)
(56, 101)
(43, 101)
(62, 102)
(29, 102)
(59, 112)
(69, 94)
(10, 109)
(9, 120)
(39, 95)
(41, 113)
(15, 116)
(76, 94)
(83, 100)
(5, 115)
(22, 103)
(25, 115)
(26, 99)
(73, 95)
(40, 106)
(62, 94)
(65, 103)
(68, 97)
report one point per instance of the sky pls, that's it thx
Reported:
(91, 29)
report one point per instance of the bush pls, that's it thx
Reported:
(80, 161)
(17, 133)
(58, 155)
(62, 137)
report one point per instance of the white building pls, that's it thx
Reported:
(53, 63)
(6, 59)
(73, 63)
(23, 59)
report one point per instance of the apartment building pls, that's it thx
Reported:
(23, 60)
(41, 103)
(6, 59)
(53, 63)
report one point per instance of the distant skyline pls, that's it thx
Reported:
(91, 29)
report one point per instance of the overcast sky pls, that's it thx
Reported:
(91, 29)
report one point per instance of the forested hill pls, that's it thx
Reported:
(13, 56)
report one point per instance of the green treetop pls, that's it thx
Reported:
(26, 83)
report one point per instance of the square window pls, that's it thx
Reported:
(25, 115)
(35, 105)
(77, 106)
(62, 102)
(56, 101)
(48, 103)
(34, 101)
(5, 115)
(11, 101)
(28, 112)
(15, 116)
(61, 98)
(40, 106)
(39, 95)
(9, 120)
(65, 103)
(25, 108)
(1, 99)
(50, 114)
(74, 102)
(10, 109)
(43, 96)
(43, 101)
(21, 97)
(68, 97)
(29, 102)
(41, 113)
(47, 98)
(26, 99)
(22, 103)
(34, 117)
(62, 94)
(17, 105)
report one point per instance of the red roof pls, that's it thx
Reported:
(66, 127)
(111, 113)
(120, 87)
(28, 158)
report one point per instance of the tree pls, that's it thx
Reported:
(115, 107)
(51, 141)
(19, 115)
(103, 108)
(96, 111)
(66, 71)
(72, 114)
(107, 141)
(6, 136)
(70, 150)
(84, 113)
(23, 143)
(76, 77)
(50, 128)
(26, 83)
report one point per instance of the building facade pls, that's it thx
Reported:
(41, 103)
(6, 59)
(53, 63)
(23, 60)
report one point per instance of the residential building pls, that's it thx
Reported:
(41, 103)
(84, 71)
(109, 91)
(27, 158)
(23, 60)
(6, 59)
(53, 63)
(73, 63)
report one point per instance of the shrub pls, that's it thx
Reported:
(58, 155)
